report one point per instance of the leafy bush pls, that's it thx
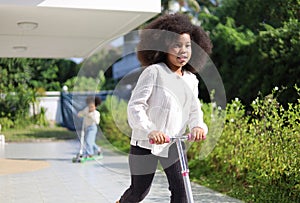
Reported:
(40, 118)
(15, 106)
(257, 157)
(83, 83)
(114, 122)
(6, 123)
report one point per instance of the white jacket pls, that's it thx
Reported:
(163, 101)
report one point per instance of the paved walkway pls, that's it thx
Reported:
(63, 181)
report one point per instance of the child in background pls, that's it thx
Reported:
(91, 120)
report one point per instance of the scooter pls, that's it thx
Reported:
(80, 157)
(183, 162)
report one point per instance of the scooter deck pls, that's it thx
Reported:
(83, 159)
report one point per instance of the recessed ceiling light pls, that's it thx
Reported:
(27, 25)
(19, 48)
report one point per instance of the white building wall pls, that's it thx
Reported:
(52, 104)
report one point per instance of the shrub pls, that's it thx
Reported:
(257, 156)
(14, 104)
(6, 123)
(14, 107)
(40, 118)
(114, 122)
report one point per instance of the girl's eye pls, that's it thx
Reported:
(177, 45)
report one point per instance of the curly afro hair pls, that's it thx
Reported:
(93, 100)
(157, 36)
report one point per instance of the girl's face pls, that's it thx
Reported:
(179, 52)
(92, 107)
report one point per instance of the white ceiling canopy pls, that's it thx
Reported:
(67, 28)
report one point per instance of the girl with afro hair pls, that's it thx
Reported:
(165, 102)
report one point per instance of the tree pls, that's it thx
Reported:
(21, 81)
(279, 65)
(102, 60)
(14, 72)
(83, 83)
(253, 13)
(255, 50)
(66, 69)
(44, 74)
(48, 74)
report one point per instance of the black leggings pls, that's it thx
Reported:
(142, 168)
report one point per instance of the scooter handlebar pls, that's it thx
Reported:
(168, 139)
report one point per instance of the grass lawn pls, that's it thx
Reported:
(44, 134)
(34, 133)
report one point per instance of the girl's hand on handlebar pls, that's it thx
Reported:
(157, 137)
(198, 134)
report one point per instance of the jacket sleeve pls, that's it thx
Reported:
(138, 106)
(95, 116)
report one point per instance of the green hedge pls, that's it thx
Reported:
(257, 157)
(14, 109)
(114, 123)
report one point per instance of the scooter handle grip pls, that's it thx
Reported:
(190, 137)
(167, 140)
